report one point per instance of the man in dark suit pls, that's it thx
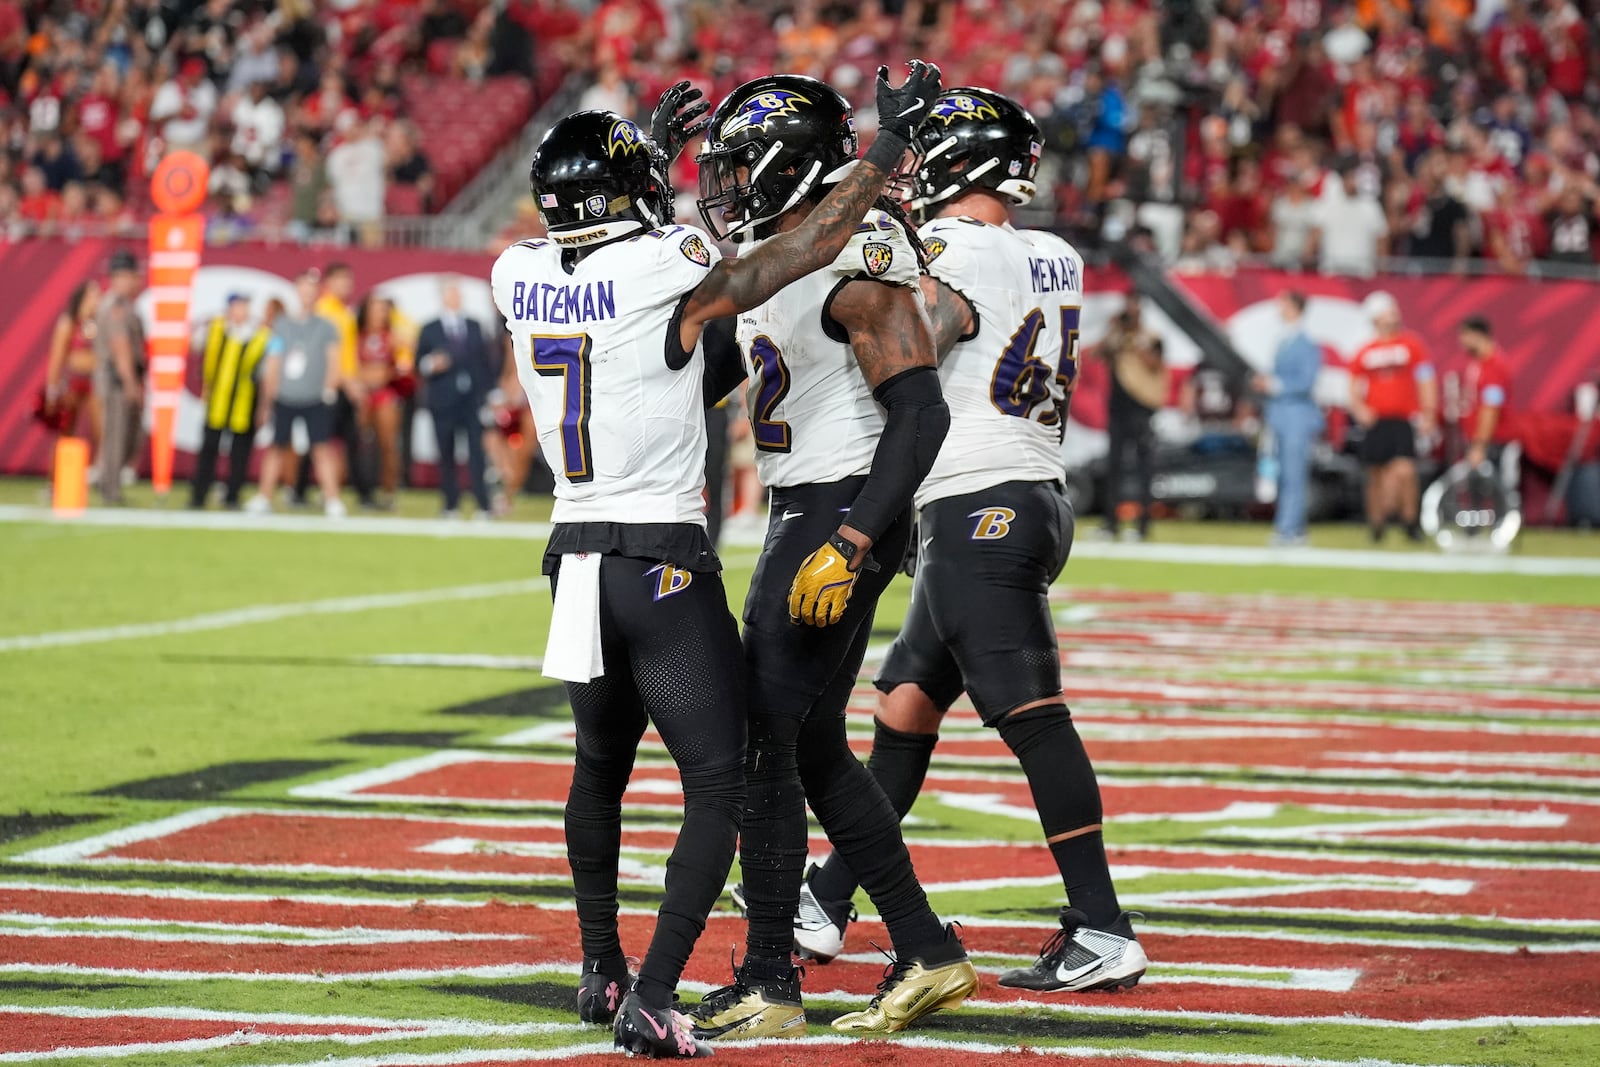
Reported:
(453, 360)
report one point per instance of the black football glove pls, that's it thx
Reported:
(901, 110)
(677, 119)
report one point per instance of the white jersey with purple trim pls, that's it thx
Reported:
(1008, 385)
(811, 411)
(624, 433)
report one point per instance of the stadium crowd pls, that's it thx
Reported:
(1305, 133)
(295, 104)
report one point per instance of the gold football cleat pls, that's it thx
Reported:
(908, 992)
(751, 1008)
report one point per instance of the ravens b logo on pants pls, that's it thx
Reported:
(992, 524)
(669, 580)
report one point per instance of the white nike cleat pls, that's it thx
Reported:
(818, 926)
(1078, 959)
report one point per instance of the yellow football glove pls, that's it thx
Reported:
(823, 584)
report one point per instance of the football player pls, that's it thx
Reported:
(847, 417)
(996, 528)
(606, 319)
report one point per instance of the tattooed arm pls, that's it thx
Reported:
(893, 346)
(949, 313)
(736, 285)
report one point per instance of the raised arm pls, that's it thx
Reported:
(736, 285)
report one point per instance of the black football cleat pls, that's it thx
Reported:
(1078, 959)
(660, 1033)
(600, 992)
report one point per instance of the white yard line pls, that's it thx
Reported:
(259, 613)
(1210, 555)
(291, 522)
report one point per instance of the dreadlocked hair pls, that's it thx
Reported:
(897, 211)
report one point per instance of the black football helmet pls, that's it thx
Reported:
(973, 138)
(597, 176)
(770, 143)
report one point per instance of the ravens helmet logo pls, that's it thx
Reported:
(935, 247)
(878, 258)
(756, 112)
(625, 139)
(961, 106)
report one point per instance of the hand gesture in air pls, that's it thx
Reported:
(678, 119)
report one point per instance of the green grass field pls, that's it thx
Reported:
(278, 797)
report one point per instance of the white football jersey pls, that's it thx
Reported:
(623, 432)
(1008, 386)
(811, 411)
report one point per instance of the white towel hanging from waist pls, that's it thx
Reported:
(573, 652)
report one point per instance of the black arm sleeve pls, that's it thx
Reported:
(917, 420)
(724, 362)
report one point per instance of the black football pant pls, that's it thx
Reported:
(205, 465)
(672, 659)
(800, 681)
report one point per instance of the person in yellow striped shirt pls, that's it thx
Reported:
(233, 350)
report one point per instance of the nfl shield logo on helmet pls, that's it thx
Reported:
(595, 205)
(878, 258)
(695, 250)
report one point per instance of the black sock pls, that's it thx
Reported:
(865, 831)
(899, 763)
(772, 842)
(1067, 797)
(713, 802)
(594, 839)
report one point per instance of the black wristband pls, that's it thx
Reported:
(887, 150)
(849, 550)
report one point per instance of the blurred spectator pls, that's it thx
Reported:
(232, 353)
(406, 163)
(1437, 225)
(1293, 416)
(356, 176)
(1350, 228)
(301, 385)
(308, 180)
(256, 60)
(1293, 215)
(806, 44)
(1394, 397)
(119, 374)
(57, 161)
(1572, 228)
(384, 356)
(1140, 381)
(183, 106)
(1513, 233)
(1485, 392)
(258, 130)
(609, 92)
(453, 361)
(69, 372)
(39, 203)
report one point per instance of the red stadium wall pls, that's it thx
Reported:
(1550, 330)
(42, 275)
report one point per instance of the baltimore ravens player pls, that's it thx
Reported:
(606, 319)
(847, 417)
(996, 528)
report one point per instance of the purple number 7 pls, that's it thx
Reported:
(770, 386)
(568, 358)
